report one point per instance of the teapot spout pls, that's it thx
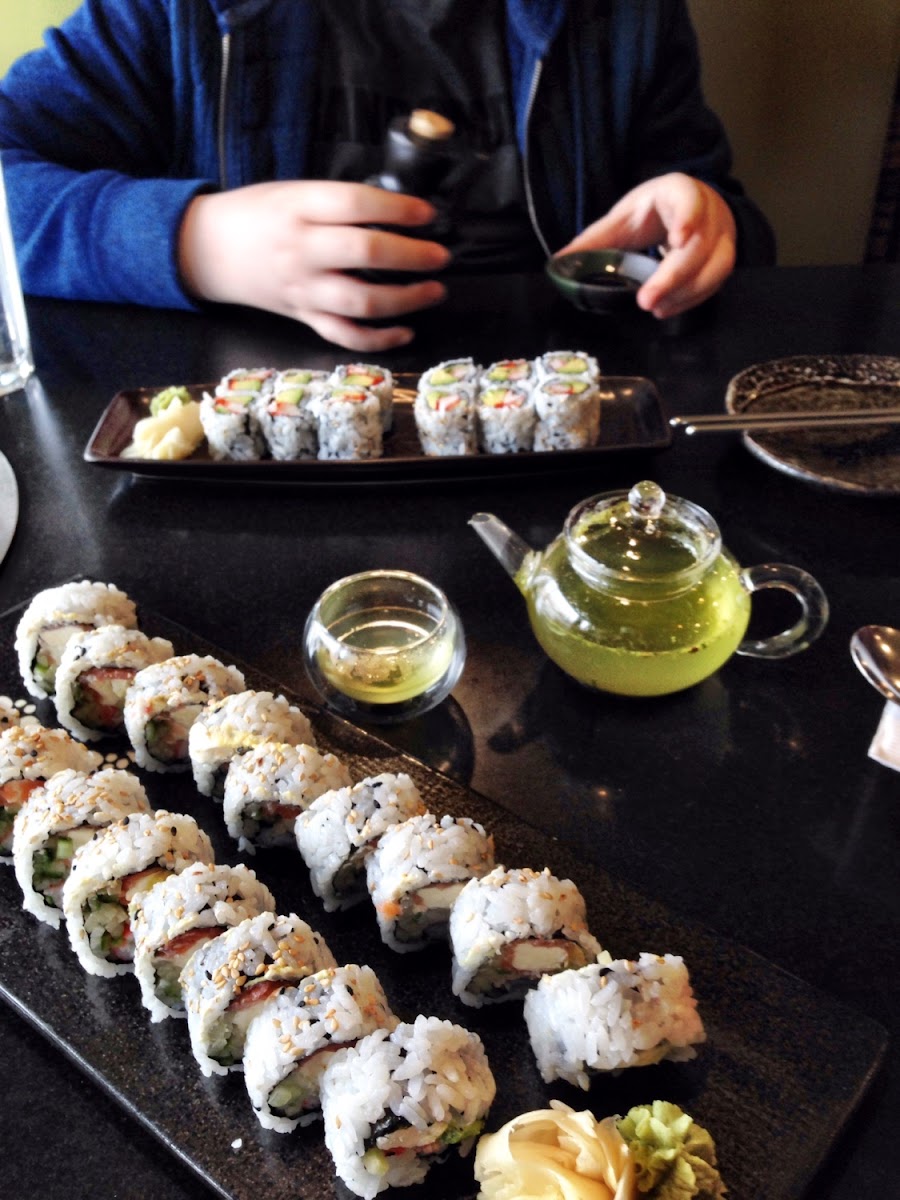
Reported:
(505, 545)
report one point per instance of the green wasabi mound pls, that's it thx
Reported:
(675, 1159)
(167, 396)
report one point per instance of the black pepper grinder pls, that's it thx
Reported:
(424, 156)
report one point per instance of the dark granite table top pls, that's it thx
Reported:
(746, 806)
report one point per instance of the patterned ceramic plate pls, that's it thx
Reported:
(864, 459)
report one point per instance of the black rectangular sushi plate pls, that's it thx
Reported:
(782, 1070)
(632, 420)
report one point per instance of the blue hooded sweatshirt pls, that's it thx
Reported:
(132, 109)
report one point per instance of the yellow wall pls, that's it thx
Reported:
(804, 88)
(23, 22)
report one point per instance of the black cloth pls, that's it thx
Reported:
(454, 62)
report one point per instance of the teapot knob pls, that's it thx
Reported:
(647, 500)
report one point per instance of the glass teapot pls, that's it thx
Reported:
(638, 596)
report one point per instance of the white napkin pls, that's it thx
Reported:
(885, 746)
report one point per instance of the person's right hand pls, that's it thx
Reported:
(288, 247)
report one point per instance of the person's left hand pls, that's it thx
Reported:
(694, 224)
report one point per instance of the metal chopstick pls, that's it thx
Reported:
(826, 419)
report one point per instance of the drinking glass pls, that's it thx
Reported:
(383, 646)
(16, 363)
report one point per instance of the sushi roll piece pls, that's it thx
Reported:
(56, 820)
(53, 616)
(520, 371)
(398, 1101)
(416, 872)
(230, 415)
(571, 364)
(376, 379)
(267, 788)
(568, 413)
(164, 701)
(288, 415)
(506, 419)
(290, 1043)
(453, 373)
(236, 724)
(606, 1017)
(96, 670)
(510, 927)
(122, 859)
(445, 420)
(231, 978)
(174, 918)
(340, 829)
(349, 423)
(29, 756)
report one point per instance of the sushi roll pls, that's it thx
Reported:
(397, 1101)
(338, 832)
(173, 919)
(377, 379)
(288, 416)
(229, 416)
(349, 423)
(445, 420)
(56, 820)
(122, 859)
(29, 756)
(520, 371)
(96, 670)
(268, 787)
(506, 419)
(606, 1017)
(232, 977)
(510, 927)
(416, 872)
(236, 724)
(453, 373)
(290, 1043)
(53, 616)
(568, 413)
(165, 700)
(571, 364)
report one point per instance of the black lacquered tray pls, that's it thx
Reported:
(632, 420)
(782, 1070)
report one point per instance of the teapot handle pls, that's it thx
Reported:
(813, 603)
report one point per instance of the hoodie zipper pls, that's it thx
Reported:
(526, 169)
(223, 103)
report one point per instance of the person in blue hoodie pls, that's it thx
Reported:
(175, 152)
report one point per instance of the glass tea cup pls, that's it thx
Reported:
(383, 646)
(16, 362)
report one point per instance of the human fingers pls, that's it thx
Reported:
(687, 277)
(667, 209)
(360, 338)
(334, 247)
(359, 299)
(331, 202)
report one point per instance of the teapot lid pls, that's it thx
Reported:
(641, 537)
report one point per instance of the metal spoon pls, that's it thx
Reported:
(876, 651)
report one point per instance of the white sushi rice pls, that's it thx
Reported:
(609, 1017)
(229, 416)
(113, 647)
(349, 424)
(340, 829)
(573, 364)
(289, 1044)
(171, 695)
(451, 373)
(9, 714)
(169, 841)
(288, 415)
(74, 805)
(262, 949)
(568, 412)
(33, 754)
(432, 1075)
(202, 896)
(377, 379)
(502, 910)
(416, 872)
(54, 615)
(236, 724)
(271, 777)
(508, 427)
(445, 420)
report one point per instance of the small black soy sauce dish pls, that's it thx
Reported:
(601, 281)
